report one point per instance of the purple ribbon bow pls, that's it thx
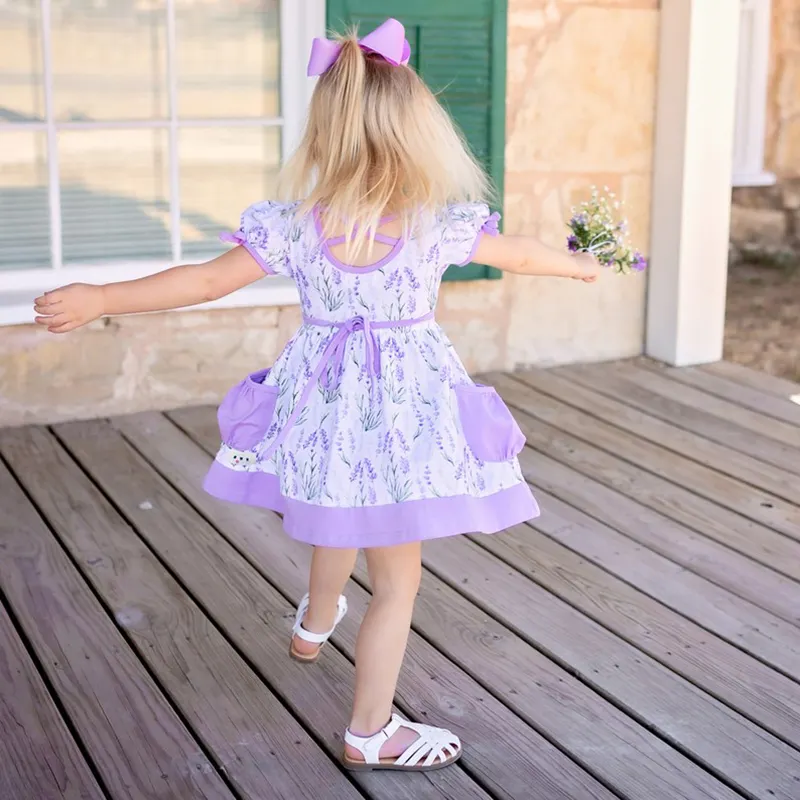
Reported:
(388, 41)
(338, 347)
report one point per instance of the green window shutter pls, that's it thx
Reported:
(459, 49)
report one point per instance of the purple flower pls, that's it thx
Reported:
(357, 471)
(572, 244)
(258, 236)
(578, 220)
(412, 279)
(639, 263)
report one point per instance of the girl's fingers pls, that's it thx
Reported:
(65, 328)
(53, 320)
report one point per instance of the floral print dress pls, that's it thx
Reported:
(367, 430)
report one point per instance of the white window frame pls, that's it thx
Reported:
(300, 22)
(751, 94)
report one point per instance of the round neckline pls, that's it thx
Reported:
(398, 246)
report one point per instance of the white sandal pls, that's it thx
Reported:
(435, 748)
(316, 638)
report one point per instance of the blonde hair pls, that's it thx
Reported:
(378, 142)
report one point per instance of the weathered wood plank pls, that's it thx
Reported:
(756, 762)
(39, 756)
(623, 753)
(760, 586)
(781, 408)
(252, 613)
(630, 759)
(510, 759)
(614, 381)
(748, 537)
(755, 379)
(746, 685)
(135, 739)
(250, 735)
(685, 476)
(766, 477)
(646, 374)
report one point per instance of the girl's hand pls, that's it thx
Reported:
(68, 308)
(588, 270)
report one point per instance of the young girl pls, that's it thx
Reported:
(367, 431)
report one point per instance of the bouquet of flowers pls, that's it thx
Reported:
(594, 229)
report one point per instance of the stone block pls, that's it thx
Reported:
(790, 189)
(758, 197)
(557, 321)
(44, 376)
(758, 227)
(588, 102)
(131, 363)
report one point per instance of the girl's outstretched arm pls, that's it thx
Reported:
(65, 309)
(526, 255)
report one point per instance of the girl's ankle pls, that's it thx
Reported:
(366, 727)
(315, 622)
(359, 734)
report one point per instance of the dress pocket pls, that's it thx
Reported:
(246, 413)
(491, 432)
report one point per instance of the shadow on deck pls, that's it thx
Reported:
(640, 640)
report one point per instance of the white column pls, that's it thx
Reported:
(300, 22)
(692, 180)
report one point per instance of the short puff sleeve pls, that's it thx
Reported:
(464, 224)
(266, 232)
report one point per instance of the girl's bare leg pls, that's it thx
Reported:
(394, 574)
(331, 568)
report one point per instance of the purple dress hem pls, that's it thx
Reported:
(374, 526)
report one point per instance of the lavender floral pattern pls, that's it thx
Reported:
(363, 442)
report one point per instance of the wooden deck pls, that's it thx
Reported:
(641, 640)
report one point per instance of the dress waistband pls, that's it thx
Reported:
(362, 323)
(328, 369)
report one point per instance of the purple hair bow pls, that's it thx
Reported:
(388, 41)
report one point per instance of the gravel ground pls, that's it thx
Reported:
(762, 327)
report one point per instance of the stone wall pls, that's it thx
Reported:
(581, 108)
(581, 103)
(765, 221)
